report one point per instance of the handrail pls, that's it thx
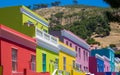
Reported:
(46, 36)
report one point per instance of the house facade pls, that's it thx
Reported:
(117, 64)
(47, 52)
(96, 64)
(17, 52)
(66, 59)
(106, 64)
(109, 53)
(80, 46)
(23, 20)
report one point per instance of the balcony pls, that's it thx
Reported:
(46, 40)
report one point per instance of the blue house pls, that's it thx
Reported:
(100, 63)
(108, 52)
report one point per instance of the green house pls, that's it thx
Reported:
(47, 52)
(22, 19)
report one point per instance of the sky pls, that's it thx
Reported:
(5, 3)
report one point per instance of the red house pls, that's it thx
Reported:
(17, 53)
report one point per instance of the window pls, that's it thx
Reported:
(76, 48)
(84, 68)
(14, 59)
(33, 62)
(84, 55)
(73, 64)
(87, 56)
(80, 67)
(70, 44)
(76, 51)
(56, 63)
(66, 42)
(79, 52)
(64, 63)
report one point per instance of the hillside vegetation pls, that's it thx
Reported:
(89, 23)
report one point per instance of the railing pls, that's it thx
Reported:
(45, 36)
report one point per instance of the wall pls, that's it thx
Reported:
(92, 61)
(80, 56)
(11, 17)
(69, 61)
(49, 56)
(15, 20)
(26, 18)
(77, 73)
(100, 65)
(24, 56)
(107, 64)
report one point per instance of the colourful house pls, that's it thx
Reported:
(96, 64)
(117, 64)
(106, 64)
(47, 52)
(66, 59)
(109, 53)
(17, 53)
(80, 46)
(22, 20)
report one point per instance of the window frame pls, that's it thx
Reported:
(33, 62)
(14, 60)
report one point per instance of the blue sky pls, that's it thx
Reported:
(4, 3)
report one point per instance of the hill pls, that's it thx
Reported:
(100, 24)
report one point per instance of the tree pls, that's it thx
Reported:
(38, 6)
(113, 3)
(56, 3)
(29, 6)
(75, 2)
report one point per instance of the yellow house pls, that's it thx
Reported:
(66, 59)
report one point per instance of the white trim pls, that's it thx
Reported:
(48, 46)
(23, 11)
(74, 39)
(106, 58)
(99, 57)
(66, 50)
(41, 35)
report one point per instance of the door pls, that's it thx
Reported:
(44, 62)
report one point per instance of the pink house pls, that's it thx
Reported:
(106, 64)
(81, 47)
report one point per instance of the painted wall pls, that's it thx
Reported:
(92, 61)
(107, 66)
(50, 56)
(69, 61)
(108, 52)
(100, 65)
(24, 56)
(15, 20)
(77, 73)
(82, 55)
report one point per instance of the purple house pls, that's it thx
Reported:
(81, 47)
(106, 64)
